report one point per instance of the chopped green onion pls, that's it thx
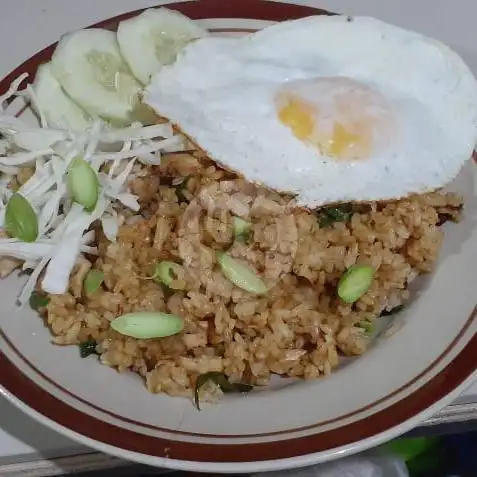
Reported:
(38, 300)
(393, 311)
(355, 282)
(93, 281)
(240, 275)
(83, 184)
(166, 272)
(242, 228)
(21, 221)
(148, 324)
(221, 380)
(88, 348)
(366, 326)
(340, 214)
(328, 215)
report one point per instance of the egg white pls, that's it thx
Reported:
(220, 92)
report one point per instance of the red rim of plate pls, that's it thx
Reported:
(16, 384)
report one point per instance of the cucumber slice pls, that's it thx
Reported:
(60, 111)
(89, 66)
(154, 38)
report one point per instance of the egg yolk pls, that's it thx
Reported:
(340, 117)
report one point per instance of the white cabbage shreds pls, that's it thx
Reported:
(64, 135)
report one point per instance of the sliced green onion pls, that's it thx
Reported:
(166, 272)
(221, 380)
(148, 324)
(21, 221)
(355, 282)
(329, 215)
(93, 281)
(240, 275)
(88, 348)
(83, 184)
(339, 214)
(366, 326)
(242, 228)
(38, 300)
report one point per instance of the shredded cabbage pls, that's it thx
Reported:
(64, 226)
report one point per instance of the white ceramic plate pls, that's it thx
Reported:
(402, 380)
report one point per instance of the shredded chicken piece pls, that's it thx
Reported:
(163, 230)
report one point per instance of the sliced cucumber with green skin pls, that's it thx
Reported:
(60, 111)
(90, 68)
(154, 38)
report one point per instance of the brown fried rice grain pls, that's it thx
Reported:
(299, 329)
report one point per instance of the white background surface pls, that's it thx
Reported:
(27, 26)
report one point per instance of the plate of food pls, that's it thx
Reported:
(237, 236)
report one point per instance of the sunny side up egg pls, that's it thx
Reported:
(331, 109)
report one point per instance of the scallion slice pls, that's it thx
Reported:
(148, 324)
(355, 282)
(366, 326)
(83, 184)
(38, 300)
(93, 281)
(242, 228)
(240, 275)
(21, 221)
(88, 348)
(166, 272)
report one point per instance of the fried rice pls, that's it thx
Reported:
(300, 328)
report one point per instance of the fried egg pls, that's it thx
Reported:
(330, 109)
